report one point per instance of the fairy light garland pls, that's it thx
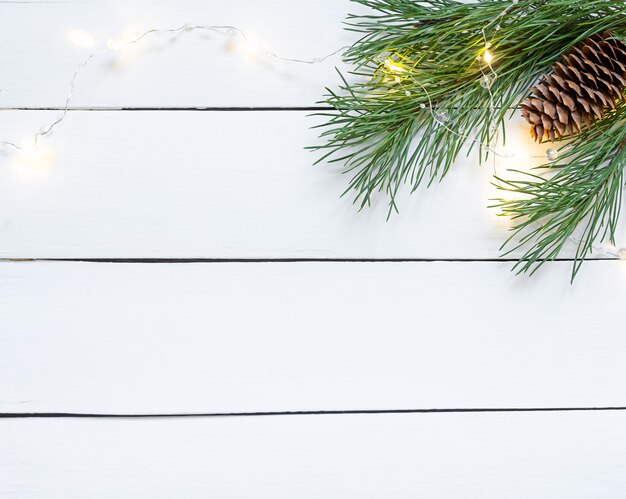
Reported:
(31, 153)
(486, 81)
(83, 39)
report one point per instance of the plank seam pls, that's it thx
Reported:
(148, 109)
(16, 415)
(288, 260)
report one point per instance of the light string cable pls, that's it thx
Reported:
(231, 31)
(609, 250)
(116, 45)
(486, 81)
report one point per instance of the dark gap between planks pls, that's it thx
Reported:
(234, 108)
(17, 415)
(290, 260)
(175, 108)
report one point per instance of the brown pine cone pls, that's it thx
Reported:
(588, 80)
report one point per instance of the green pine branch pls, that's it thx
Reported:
(577, 198)
(415, 99)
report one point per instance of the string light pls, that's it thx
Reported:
(393, 67)
(37, 155)
(486, 81)
(440, 115)
(250, 46)
(34, 156)
(114, 44)
(488, 56)
(81, 38)
(552, 154)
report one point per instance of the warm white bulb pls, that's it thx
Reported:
(488, 56)
(393, 67)
(114, 44)
(250, 47)
(621, 253)
(81, 38)
(33, 156)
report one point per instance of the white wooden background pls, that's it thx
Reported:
(182, 266)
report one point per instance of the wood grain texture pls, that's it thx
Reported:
(190, 70)
(190, 184)
(517, 456)
(257, 337)
(247, 337)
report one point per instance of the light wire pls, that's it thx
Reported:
(225, 30)
(229, 30)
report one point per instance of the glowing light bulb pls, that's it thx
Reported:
(621, 253)
(114, 44)
(81, 38)
(393, 67)
(35, 157)
(488, 56)
(250, 47)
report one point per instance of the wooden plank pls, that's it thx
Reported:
(191, 70)
(249, 337)
(486, 456)
(233, 185)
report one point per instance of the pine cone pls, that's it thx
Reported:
(587, 81)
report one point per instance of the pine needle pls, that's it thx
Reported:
(418, 100)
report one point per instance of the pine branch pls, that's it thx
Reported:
(378, 126)
(583, 192)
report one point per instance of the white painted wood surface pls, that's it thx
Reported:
(228, 185)
(517, 456)
(189, 70)
(248, 337)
